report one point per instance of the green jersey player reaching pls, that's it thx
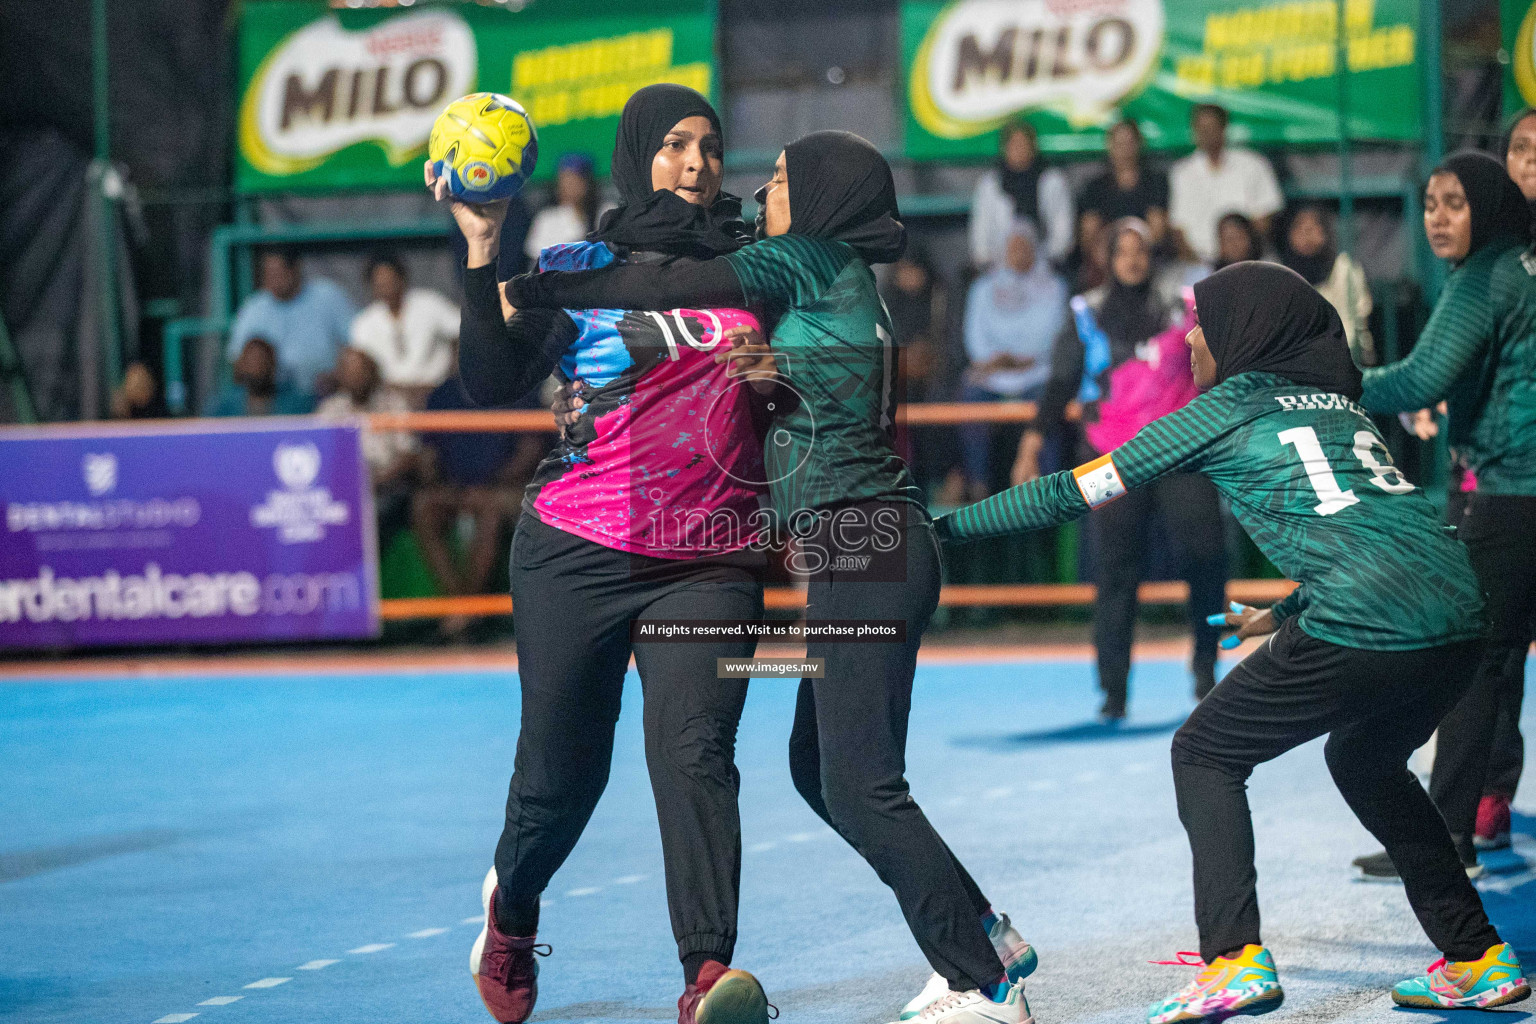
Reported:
(1373, 648)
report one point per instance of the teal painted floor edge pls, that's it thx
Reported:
(266, 850)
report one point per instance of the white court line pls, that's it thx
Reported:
(761, 847)
(315, 965)
(221, 1000)
(268, 983)
(1042, 785)
(372, 947)
(586, 890)
(427, 933)
(629, 880)
(546, 903)
(174, 1018)
(1087, 777)
(1137, 768)
(800, 837)
(999, 793)
(477, 919)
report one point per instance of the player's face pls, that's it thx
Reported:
(1447, 217)
(776, 200)
(1201, 363)
(690, 161)
(1520, 161)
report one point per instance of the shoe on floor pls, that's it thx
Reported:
(723, 996)
(1378, 867)
(1019, 961)
(974, 1008)
(1112, 713)
(505, 971)
(1230, 986)
(1492, 832)
(1495, 980)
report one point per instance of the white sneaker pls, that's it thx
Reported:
(1018, 957)
(974, 1008)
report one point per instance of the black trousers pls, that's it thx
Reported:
(574, 601)
(1188, 508)
(847, 750)
(1377, 707)
(1480, 749)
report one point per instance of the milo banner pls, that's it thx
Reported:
(346, 98)
(1073, 66)
(1519, 22)
(247, 530)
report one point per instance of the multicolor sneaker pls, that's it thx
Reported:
(1230, 986)
(1019, 962)
(974, 1008)
(505, 971)
(723, 996)
(1492, 831)
(1494, 980)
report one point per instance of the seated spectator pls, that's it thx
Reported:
(1216, 179)
(1087, 265)
(393, 456)
(305, 322)
(1126, 187)
(574, 212)
(478, 475)
(138, 397)
(1020, 186)
(1012, 317)
(1237, 239)
(256, 389)
(1309, 248)
(409, 332)
(918, 304)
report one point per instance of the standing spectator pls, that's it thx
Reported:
(1126, 187)
(1217, 179)
(1309, 248)
(305, 322)
(1122, 355)
(256, 389)
(1237, 239)
(1020, 186)
(574, 212)
(393, 456)
(409, 332)
(1012, 317)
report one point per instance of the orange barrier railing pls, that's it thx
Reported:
(1012, 595)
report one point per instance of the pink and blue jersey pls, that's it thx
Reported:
(666, 459)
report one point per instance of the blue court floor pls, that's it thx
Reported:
(297, 849)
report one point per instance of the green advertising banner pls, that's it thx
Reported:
(1519, 21)
(1073, 66)
(345, 99)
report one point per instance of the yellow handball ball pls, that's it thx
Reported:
(485, 145)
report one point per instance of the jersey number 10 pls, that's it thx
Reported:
(1330, 497)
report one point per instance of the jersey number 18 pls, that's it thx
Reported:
(1331, 497)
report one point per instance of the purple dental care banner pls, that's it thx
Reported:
(214, 531)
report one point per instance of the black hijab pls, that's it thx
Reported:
(1023, 187)
(1131, 313)
(1499, 209)
(1317, 267)
(1262, 316)
(659, 220)
(840, 188)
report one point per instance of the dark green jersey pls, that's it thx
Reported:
(1311, 481)
(831, 437)
(1478, 352)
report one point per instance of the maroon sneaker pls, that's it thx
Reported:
(722, 996)
(505, 970)
(1492, 823)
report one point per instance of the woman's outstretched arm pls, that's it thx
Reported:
(682, 284)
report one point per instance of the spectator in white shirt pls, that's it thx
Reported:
(574, 212)
(1020, 186)
(1215, 180)
(409, 332)
(393, 456)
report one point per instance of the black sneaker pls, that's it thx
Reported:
(1112, 713)
(1205, 678)
(1377, 867)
